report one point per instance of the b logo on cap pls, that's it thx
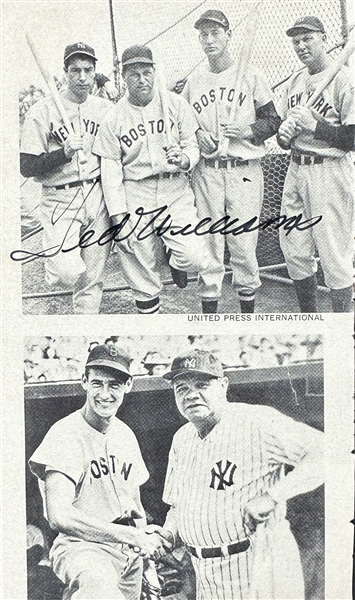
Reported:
(112, 351)
(190, 363)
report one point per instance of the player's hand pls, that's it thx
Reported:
(206, 141)
(124, 244)
(258, 510)
(178, 86)
(167, 536)
(73, 143)
(238, 132)
(304, 118)
(111, 91)
(149, 545)
(288, 130)
(175, 156)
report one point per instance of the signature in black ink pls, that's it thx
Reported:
(129, 225)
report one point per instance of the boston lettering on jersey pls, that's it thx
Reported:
(140, 130)
(221, 94)
(320, 105)
(104, 466)
(61, 134)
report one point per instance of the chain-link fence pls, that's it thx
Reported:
(178, 49)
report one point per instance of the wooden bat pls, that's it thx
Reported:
(245, 53)
(163, 93)
(330, 73)
(49, 79)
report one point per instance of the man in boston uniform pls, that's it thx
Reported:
(90, 469)
(140, 172)
(231, 185)
(320, 178)
(72, 200)
(227, 488)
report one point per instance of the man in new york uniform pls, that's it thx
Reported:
(90, 469)
(231, 186)
(72, 200)
(140, 172)
(320, 178)
(227, 488)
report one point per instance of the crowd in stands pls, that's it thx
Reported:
(63, 358)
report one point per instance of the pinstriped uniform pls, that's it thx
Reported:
(210, 480)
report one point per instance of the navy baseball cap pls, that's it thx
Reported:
(308, 23)
(79, 48)
(197, 361)
(216, 16)
(137, 54)
(109, 356)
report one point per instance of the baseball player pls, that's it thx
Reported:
(90, 469)
(141, 170)
(234, 185)
(72, 200)
(227, 488)
(320, 176)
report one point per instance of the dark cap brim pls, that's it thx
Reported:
(172, 374)
(199, 22)
(80, 52)
(140, 59)
(299, 28)
(110, 365)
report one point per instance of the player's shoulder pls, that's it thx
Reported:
(253, 412)
(184, 434)
(98, 102)
(41, 107)
(178, 101)
(67, 424)
(118, 426)
(345, 76)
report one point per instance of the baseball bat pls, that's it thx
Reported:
(341, 59)
(49, 79)
(163, 93)
(245, 53)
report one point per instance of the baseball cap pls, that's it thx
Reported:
(137, 54)
(79, 48)
(213, 15)
(309, 23)
(197, 361)
(109, 356)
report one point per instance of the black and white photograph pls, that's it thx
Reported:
(185, 157)
(207, 483)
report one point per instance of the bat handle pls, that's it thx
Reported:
(82, 158)
(224, 147)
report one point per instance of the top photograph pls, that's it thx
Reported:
(185, 157)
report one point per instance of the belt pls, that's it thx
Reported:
(219, 163)
(128, 521)
(72, 184)
(163, 176)
(305, 159)
(224, 552)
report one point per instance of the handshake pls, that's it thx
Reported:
(151, 541)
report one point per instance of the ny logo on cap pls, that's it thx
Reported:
(112, 351)
(190, 363)
(80, 45)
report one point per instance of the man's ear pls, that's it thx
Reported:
(84, 382)
(128, 385)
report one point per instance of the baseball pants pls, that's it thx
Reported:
(141, 267)
(237, 192)
(321, 189)
(97, 571)
(65, 216)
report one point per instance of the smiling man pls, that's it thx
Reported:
(320, 178)
(90, 470)
(144, 167)
(231, 184)
(227, 488)
(72, 200)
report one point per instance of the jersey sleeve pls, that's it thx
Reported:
(59, 451)
(188, 126)
(34, 132)
(296, 444)
(345, 102)
(170, 487)
(107, 143)
(262, 90)
(141, 471)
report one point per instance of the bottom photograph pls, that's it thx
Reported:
(178, 466)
